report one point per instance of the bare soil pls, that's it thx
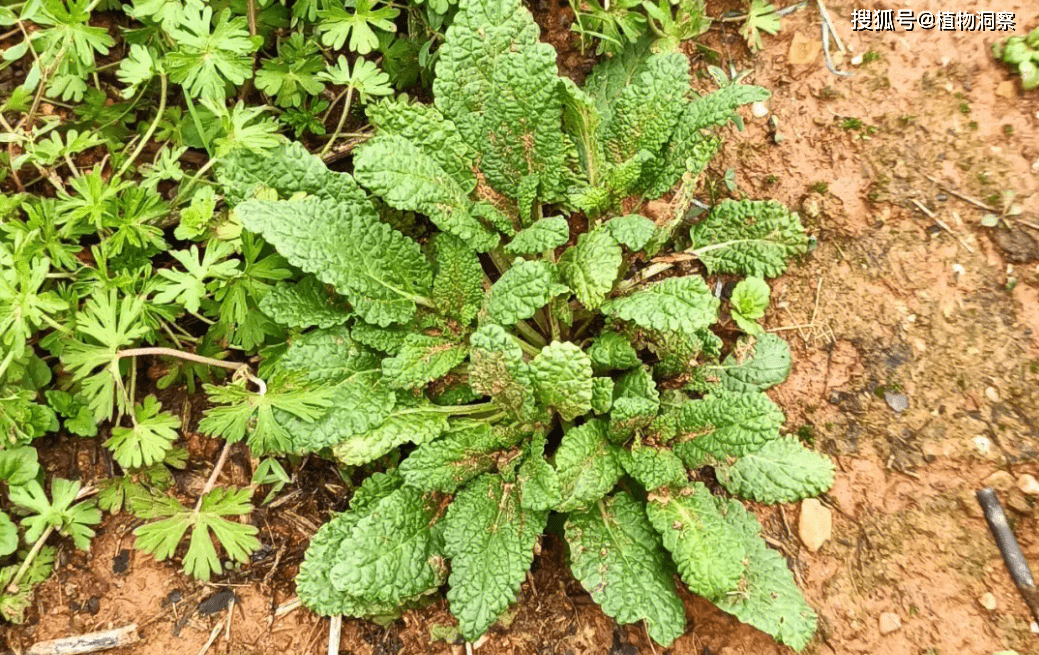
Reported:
(895, 299)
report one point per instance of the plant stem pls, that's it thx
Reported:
(13, 587)
(211, 482)
(529, 349)
(461, 410)
(531, 334)
(151, 128)
(342, 121)
(170, 352)
(7, 362)
(190, 184)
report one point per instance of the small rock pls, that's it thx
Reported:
(899, 402)
(1028, 485)
(988, 601)
(983, 444)
(889, 622)
(803, 51)
(1017, 502)
(856, 60)
(1006, 89)
(1006, 652)
(759, 110)
(1000, 480)
(992, 394)
(815, 525)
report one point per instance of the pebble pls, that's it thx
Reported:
(1000, 480)
(899, 402)
(889, 622)
(856, 60)
(1017, 502)
(759, 110)
(988, 601)
(1028, 485)
(983, 444)
(815, 525)
(992, 394)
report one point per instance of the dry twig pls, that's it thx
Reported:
(88, 643)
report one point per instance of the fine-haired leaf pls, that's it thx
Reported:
(391, 554)
(586, 464)
(522, 290)
(706, 546)
(679, 304)
(490, 539)
(304, 304)
(612, 350)
(545, 234)
(562, 375)
(381, 272)
(782, 471)
(618, 559)
(590, 267)
(410, 180)
(632, 231)
(723, 425)
(538, 481)
(749, 237)
(767, 596)
(424, 126)
(421, 359)
(755, 364)
(458, 283)
(450, 462)
(418, 423)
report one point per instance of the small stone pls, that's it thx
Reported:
(1006, 89)
(1017, 502)
(988, 601)
(992, 394)
(1028, 485)
(1000, 481)
(889, 622)
(983, 444)
(856, 60)
(759, 110)
(815, 525)
(898, 402)
(803, 50)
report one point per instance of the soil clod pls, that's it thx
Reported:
(216, 602)
(121, 562)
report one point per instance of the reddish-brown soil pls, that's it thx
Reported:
(930, 304)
